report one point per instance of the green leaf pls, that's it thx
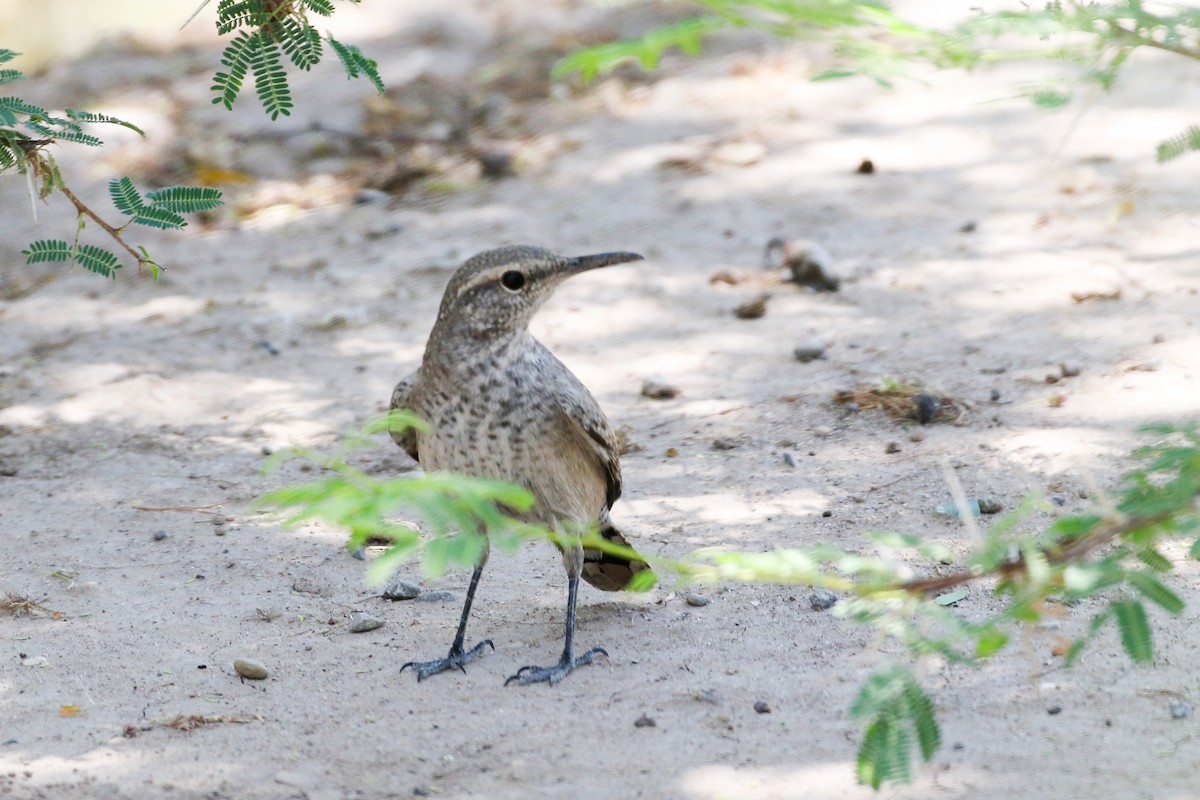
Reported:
(1154, 591)
(920, 711)
(1155, 560)
(642, 581)
(237, 56)
(98, 260)
(7, 55)
(125, 196)
(1175, 147)
(161, 218)
(990, 642)
(950, 598)
(322, 7)
(47, 250)
(355, 63)
(301, 43)
(10, 75)
(1135, 629)
(87, 116)
(185, 199)
(270, 81)
(1194, 550)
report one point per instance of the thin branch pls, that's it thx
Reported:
(115, 233)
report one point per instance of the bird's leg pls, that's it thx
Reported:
(457, 657)
(569, 661)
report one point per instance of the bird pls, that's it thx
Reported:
(498, 404)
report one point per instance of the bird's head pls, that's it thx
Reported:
(497, 292)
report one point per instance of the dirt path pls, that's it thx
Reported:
(136, 414)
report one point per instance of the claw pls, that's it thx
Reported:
(454, 660)
(552, 675)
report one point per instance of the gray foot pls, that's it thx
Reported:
(456, 660)
(552, 675)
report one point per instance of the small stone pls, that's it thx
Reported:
(994, 395)
(988, 505)
(397, 589)
(809, 351)
(1180, 709)
(790, 460)
(1158, 338)
(927, 407)
(1051, 378)
(672, 452)
(917, 435)
(723, 444)
(250, 669)
(1058, 499)
(497, 164)
(1070, 369)
(160, 535)
(853, 407)
(436, 597)
(754, 309)
(361, 623)
(968, 227)
(694, 599)
(891, 447)
(220, 530)
(761, 707)
(866, 167)
(822, 599)
(707, 696)
(822, 431)
(644, 722)
(827, 513)
(657, 390)
(1054, 709)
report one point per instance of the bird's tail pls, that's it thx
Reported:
(606, 571)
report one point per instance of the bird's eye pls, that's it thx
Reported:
(513, 280)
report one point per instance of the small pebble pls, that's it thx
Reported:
(809, 351)
(994, 395)
(671, 452)
(270, 348)
(827, 513)
(1054, 709)
(361, 623)
(397, 589)
(866, 167)
(160, 535)
(723, 444)
(707, 696)
(968, 227)
(823, 431)
(436, 597)
(249, 668)
(927, 407)
(853, 407)
(806, 262)
(892, 447)
(1070, 369)
(694, 599)
(220, 530)
(644, 722)
(659, 391)
(1058, 499)
(988, 505)
(790, 460)
(917, 435)
(1158, 338)
(822, 599)
(754, 309)
(1180, 709)
(761, 707)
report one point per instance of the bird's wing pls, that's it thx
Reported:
(402, 398)
(584, 417)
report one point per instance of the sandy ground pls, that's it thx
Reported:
(136, 414)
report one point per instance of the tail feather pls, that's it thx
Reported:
(606, 571)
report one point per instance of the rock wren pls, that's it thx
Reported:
(499, 405)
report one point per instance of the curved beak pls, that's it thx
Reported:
(584, 263)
